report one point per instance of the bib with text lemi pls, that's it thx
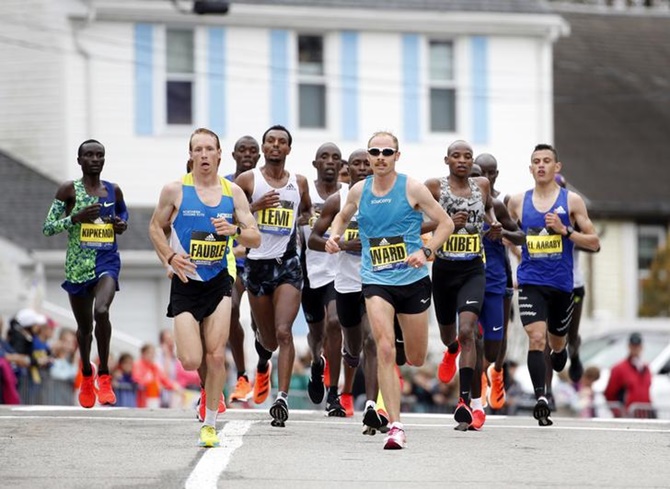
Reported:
(544, 244)
(463, 246)
(388, 253)
(277, 220)
(98, 235)
(206, 248)
(350, 234)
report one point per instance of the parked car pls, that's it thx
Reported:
(606, 350)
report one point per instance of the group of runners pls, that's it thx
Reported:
(354, 255)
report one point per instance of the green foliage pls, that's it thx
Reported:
(656, 287)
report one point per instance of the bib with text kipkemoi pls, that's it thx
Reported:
(277, 220)
(98, 235)
(462, 246)
(207, 248)
(544, 244)
(388, 253)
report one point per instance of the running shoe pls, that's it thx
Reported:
(497, 394)
(202, 405)
(396, 438)
(447, 367)
(334, 408)
(208, 437)
(243, 391)
(87, 391)
(262, 385)
(542, 413)
(576, 369)
(279, 412)
(383, 415)
(462, 415)
(559, 359)
(105, 392)
(478, 419)
(347, 401)
(372, 421)
(485, 389)
(315, 387)
(326, 373)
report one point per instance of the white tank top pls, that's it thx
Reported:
(277, 225)
(321, 266)
(577, 275)
(348, 278)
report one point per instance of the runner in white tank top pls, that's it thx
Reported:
(273, 277)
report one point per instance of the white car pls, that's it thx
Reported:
(606, 350)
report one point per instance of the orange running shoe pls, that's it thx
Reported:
(497, 394)
(105, 392)
(262, 385)
(462, 415)
(485, 388)
(326, 374)
(243, 391)
(87, 391)
(478, 419)
(202, 405)
(447, 367)
(347, 401)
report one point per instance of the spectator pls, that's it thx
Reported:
(64, 368)
(10, 363)
(124, 384)
(151, 378)
(630, 379)
(28, 335)
(586, 404)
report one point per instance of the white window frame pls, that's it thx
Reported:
(321, 79)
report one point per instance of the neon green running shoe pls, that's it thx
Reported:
(208, 437)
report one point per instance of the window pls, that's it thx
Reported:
(650, 238)
(311, 83)
(179, 89)
(441, 85)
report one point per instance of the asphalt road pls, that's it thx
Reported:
(49, 447)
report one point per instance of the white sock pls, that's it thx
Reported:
(369, 403)
(210, 417)
(476, 404)
(397, 424)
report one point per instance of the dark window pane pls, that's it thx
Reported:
(442, 110)
(179, 102)
(647, 248)
(312, 105)
(310, 55)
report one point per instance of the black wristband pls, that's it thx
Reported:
(238, 231)
(169, 260)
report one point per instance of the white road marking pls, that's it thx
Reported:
(215, 460)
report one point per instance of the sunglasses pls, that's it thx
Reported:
(381, 151)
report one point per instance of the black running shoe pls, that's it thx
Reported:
(334, 408)
(576, 369)
(315, 387)
(279, 412)
(559, 359)
(371, 419)
(542, 413)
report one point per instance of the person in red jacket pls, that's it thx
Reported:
(630, 379)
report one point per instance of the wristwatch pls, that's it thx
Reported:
(568, 231)
(427, 251)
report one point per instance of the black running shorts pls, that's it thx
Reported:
(412, 298)
(199, 298)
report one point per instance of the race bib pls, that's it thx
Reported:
(462, 247)
(207, 248)
(544, 244)
(350, 234)
(97, 236)
(277, 220)
(388, 253)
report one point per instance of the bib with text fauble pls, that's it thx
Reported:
(544, 244)
(277, 220)
(207, 248)
(388, 253)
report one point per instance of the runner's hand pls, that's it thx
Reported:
(332, 245)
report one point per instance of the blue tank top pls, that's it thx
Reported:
(193, 232)
(390, 230)
(496, 276)
(239, 262)
(546, 257)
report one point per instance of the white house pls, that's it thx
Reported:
(140, 75)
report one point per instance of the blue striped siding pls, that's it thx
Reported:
(144, 89)
(279, 79)
(411, 88)
(216, 79)
(480, 90)
(349, 70)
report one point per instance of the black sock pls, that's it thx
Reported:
(537, 369)
(242, 373)
(465, 376)
(453, 347)
(332, 393)
(264, 357)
